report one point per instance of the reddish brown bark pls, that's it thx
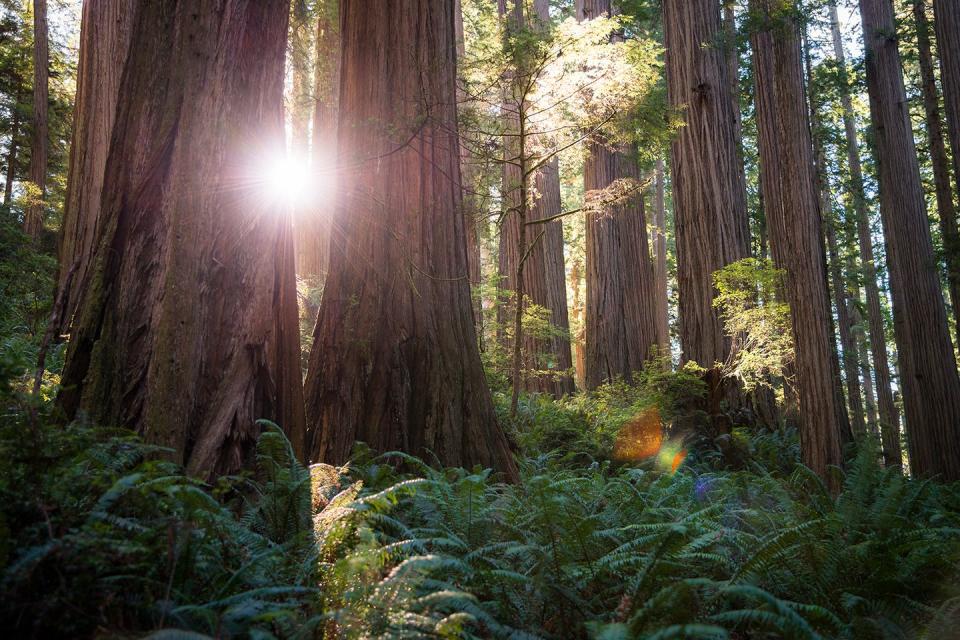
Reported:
(395, 361)
(888, 414)
(39, 145)
(473, 213)
(709, 193)
(187, 327)
(946, 211)
(793, 215)
(620, 317)
(104, 42)
(931, 387)
(947, 25)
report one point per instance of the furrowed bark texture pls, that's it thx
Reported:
(946, 210)
(620, 308)
(888, 415)
(931, 387)
(395, 361)
(947, 24)
(709, 193)
(187, 329)
(33, 215)
(313, 224)
(104, 42)
(793, 215)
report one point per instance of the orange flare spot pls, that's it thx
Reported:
(640, 437)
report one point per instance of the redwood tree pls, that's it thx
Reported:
(187, 325)
(946, 210)
(790, 200)
(531, 257)
(395, 361)
(709, 193)
(620, 319)
(928, 371)
(105, 39)
(947, 24)
(888, 414)
(39, 144)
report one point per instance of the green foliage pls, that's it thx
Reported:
(95, 522)
(756, 319)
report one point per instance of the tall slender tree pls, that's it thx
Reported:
(105, 40)
(395, 361)
(947, 25)
(709, 190)
(931, 387)
(946, 210)
(620, 317)
(473, 212)
(531, 258)
(888, 414)
(39, 144)
(660, 255)
(187, 326)
(834, 266)
(790, 199)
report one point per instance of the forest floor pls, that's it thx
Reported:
(614, 531)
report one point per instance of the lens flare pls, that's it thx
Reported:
(640, 437)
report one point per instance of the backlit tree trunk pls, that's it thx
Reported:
(793, 214)
(104, 42)
(39, 145)
(543, 274)
(620, 308)
(889, 416)
(12, 153)
(395, 361)
(187, 328)
(946, 211)
(709, 194)
(931, 387)
(660, 265)
(472, 202)
(947, 24)
(313, 225)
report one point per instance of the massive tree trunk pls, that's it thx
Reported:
(395, 361)
(938, 158)
(709, 194)
(104, 42)
(793, 214)
(947, 24)
(39, 145)
(889, 416)
(620, 317)
(660, 265)
(931, 387)
(313, 223)
(187, 328)
(835, 268)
